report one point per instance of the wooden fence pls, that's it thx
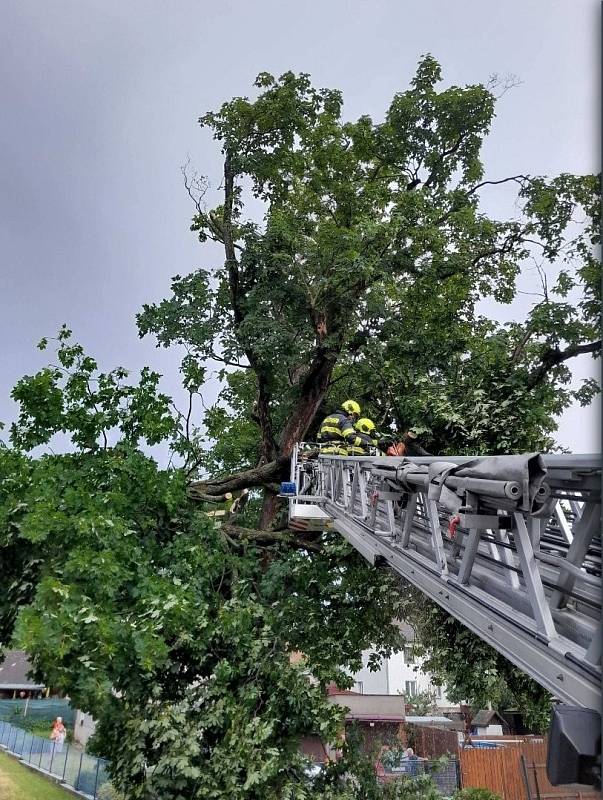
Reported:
(431, 743)
(503, 770)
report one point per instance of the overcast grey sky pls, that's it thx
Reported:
(100, 100)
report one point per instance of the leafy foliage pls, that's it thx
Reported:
(175, 637)
(471, 793)
(421, 704)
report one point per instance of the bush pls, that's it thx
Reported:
(107, 792)
(471, 793)
(420, 788)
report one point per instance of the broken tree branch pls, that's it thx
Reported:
(271, 537)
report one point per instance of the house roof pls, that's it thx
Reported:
(333, 690)
(485, 717)
(353, 715)
(13, 671)
(433, 720)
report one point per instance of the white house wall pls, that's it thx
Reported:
(392, 677)
(368, 682)
(83, 728)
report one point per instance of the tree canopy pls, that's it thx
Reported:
(362, 273)
(360, 276)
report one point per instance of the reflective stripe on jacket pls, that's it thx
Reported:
(362, 444)
(338, 427)
(334, 450)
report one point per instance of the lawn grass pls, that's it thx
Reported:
(19, 783)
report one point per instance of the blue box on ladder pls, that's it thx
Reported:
(288, 489)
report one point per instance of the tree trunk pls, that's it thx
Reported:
(270, 508)
(313, 391)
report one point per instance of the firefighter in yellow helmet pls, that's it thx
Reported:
(337, 433)
(369, 437)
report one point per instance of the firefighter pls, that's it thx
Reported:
(337, 430)
(367, 432)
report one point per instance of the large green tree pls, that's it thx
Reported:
(361, 273)
(355, 254)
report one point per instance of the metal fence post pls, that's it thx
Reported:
(52, 757)
(77, 780)
(31, 747)
(65, 764)
(41, 750)
(96, 777)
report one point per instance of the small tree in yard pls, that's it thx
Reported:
(421, 704)
(362, 277)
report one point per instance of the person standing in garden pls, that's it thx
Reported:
(59, 732)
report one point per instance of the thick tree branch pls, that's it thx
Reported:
(258, 476)
(313, 388)
(232, 265)
(271, 537)
(263, 400)
(519, 347)
(195, 493)
(553, 357)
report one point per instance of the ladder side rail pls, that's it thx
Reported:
(537, 560)
(480, 613)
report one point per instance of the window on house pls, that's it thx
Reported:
(410, 688)
(358, 687)
(409, 654)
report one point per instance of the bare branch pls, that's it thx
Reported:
(196, 186)
(506, 83)
(520, 179)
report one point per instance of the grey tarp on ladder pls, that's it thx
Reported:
(527, 470)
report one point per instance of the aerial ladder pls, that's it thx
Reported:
(508, 545)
